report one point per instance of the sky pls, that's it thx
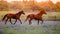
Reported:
(54, 1)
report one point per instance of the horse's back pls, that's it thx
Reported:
(30, 16)
(10, 15)
(35, 16)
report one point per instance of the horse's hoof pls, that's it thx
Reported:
(41, 23)
(14, 24)
(21, 23)
(37, 24)
(5, 23)
(29, 24)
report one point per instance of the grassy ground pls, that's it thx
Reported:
(30, 29)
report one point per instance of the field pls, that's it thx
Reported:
(52, 26)
(55, 16)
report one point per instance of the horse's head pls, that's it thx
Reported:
(43, 12)
(22, 12)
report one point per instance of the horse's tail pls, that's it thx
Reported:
(4, 17)
(27, 17)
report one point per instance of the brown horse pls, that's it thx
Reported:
(38, 16)
(13, 16)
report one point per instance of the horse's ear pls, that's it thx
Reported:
(21, 10)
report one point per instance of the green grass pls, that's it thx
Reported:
(30, 29)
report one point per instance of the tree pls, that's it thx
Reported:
(3, 5)
(57, 6)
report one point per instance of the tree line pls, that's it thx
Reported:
(29, 5)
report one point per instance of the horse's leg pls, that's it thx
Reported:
(42, 22)
(15, 21)
(30, 21)
(6, 20)
(20, 21)
(10, 21)
(38, 22)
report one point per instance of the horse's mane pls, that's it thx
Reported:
(41, 12)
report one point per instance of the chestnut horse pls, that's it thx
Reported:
(13, 16)
(37, 16)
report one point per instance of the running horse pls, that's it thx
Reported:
(37, 16)
(13, 16)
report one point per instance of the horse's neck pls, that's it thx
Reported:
(40, 14)
(18, 14)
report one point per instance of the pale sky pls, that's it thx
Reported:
(54, 1)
